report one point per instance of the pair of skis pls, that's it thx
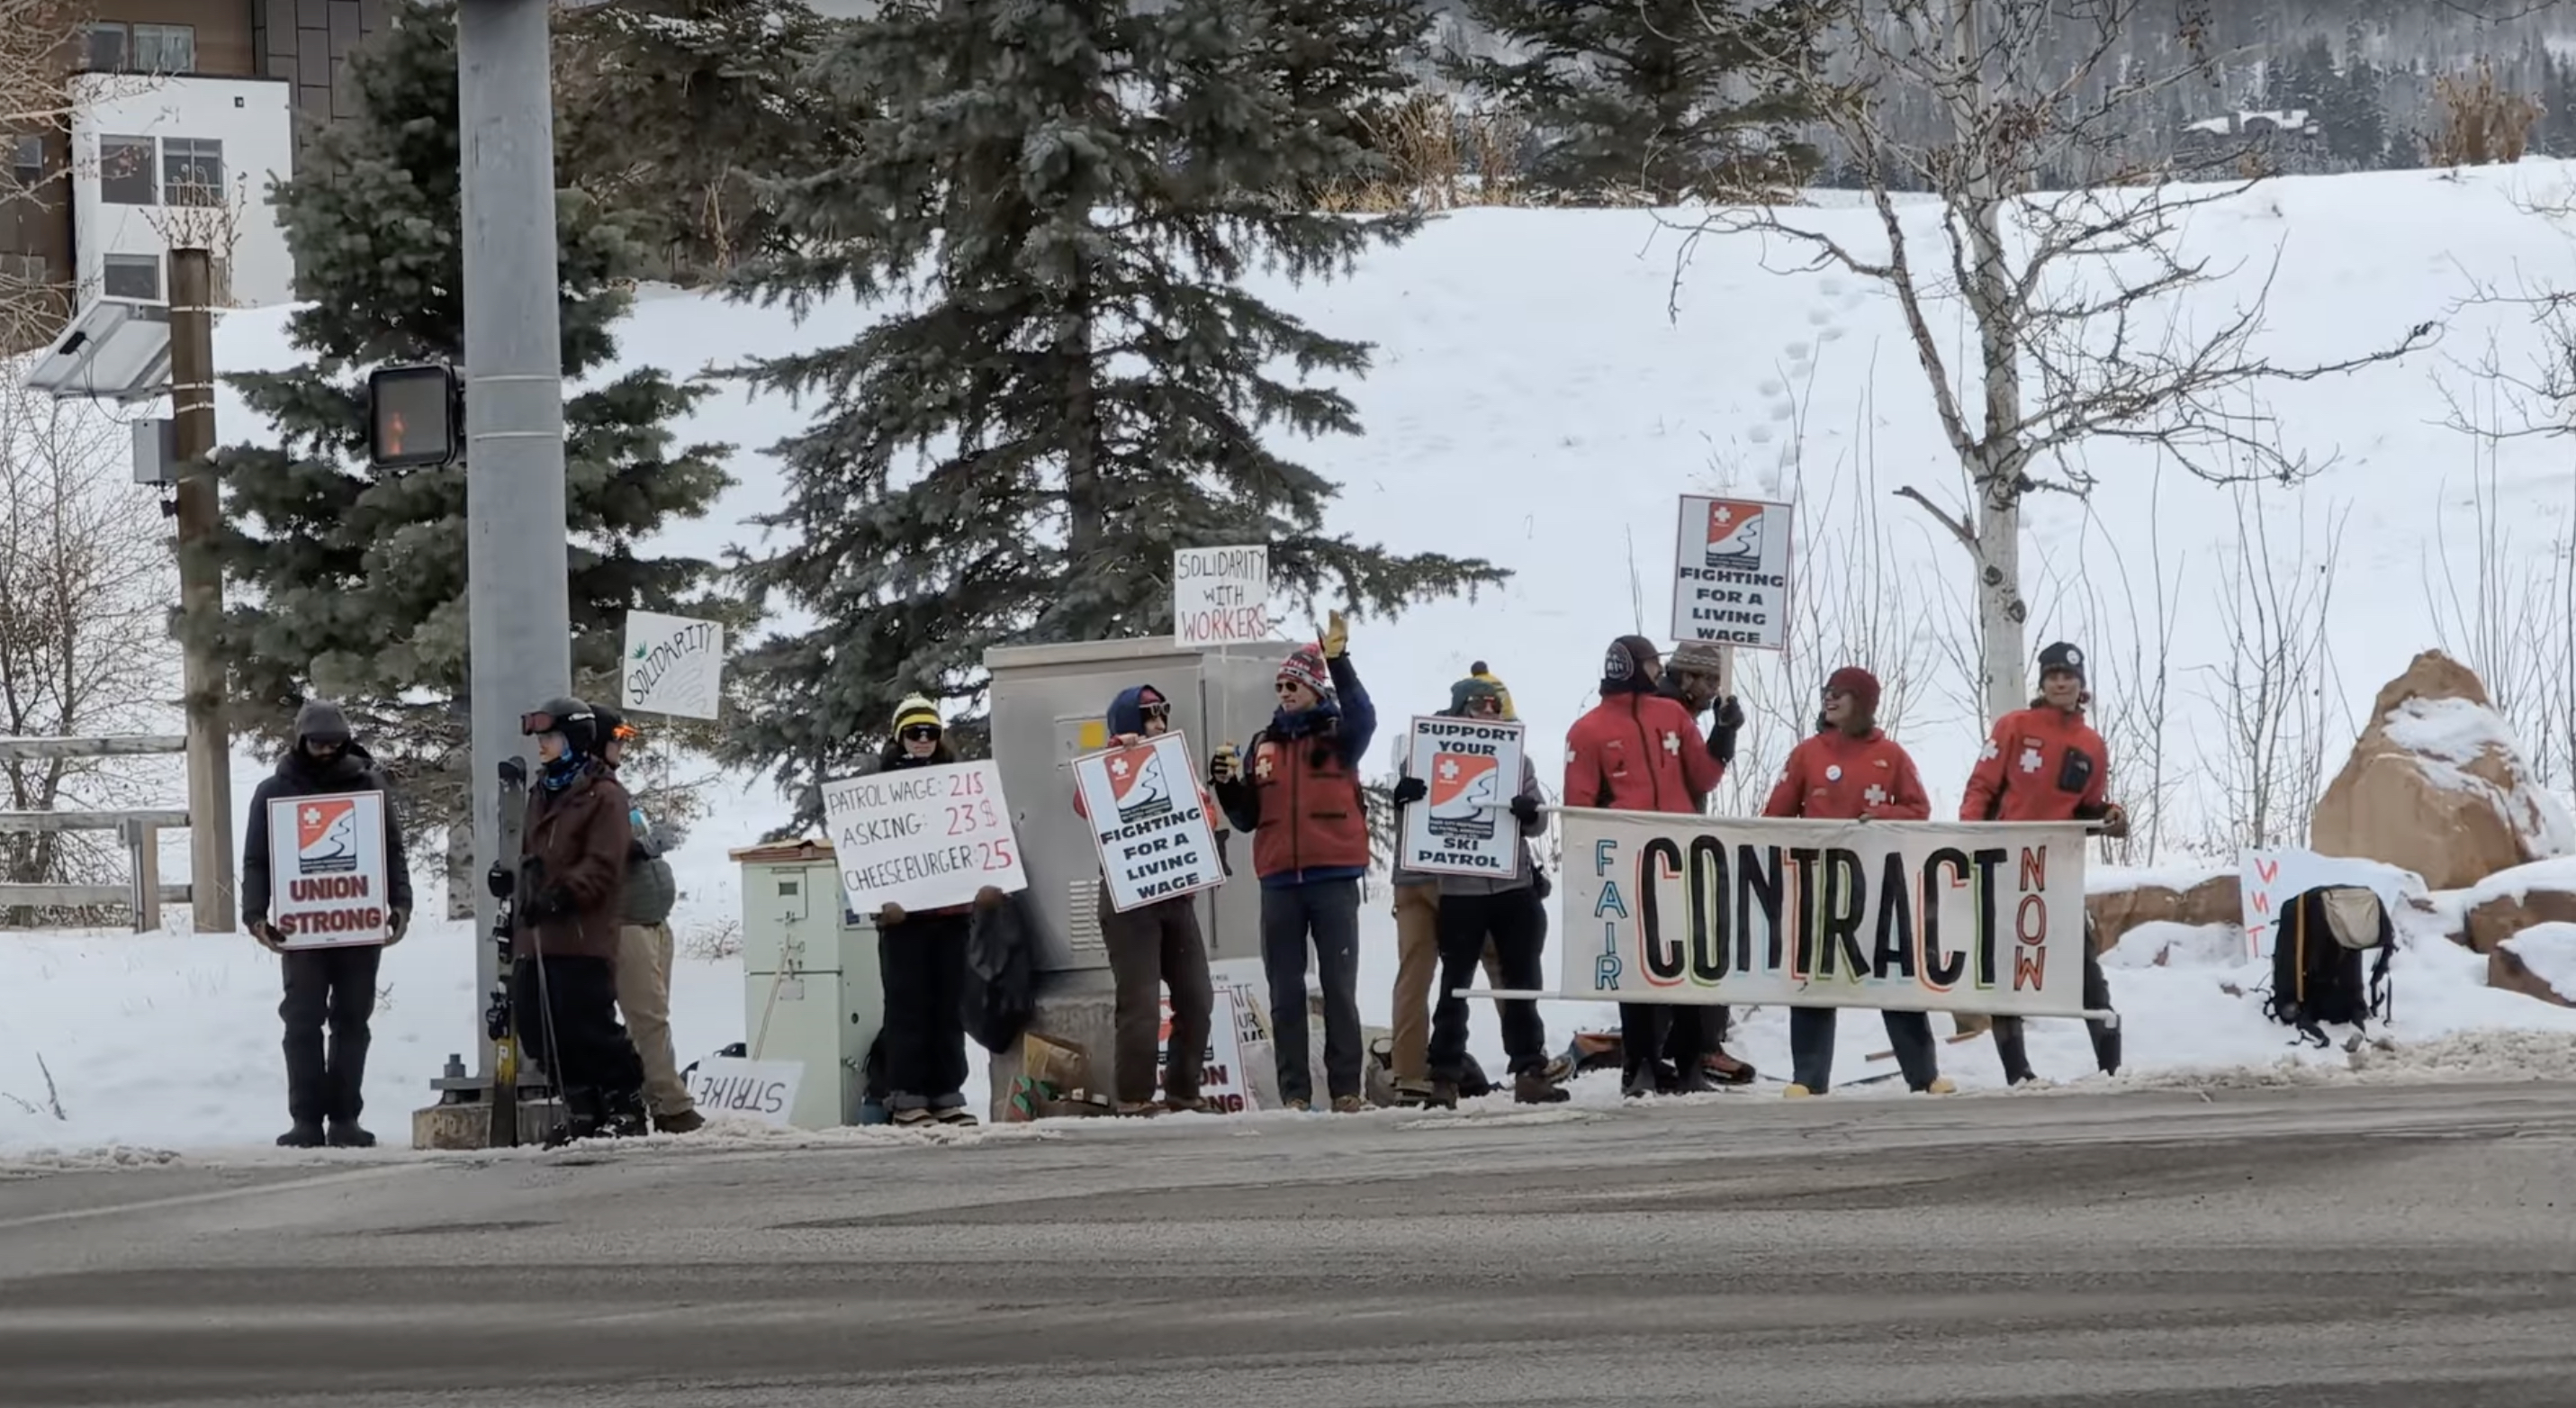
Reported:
(499, 1023)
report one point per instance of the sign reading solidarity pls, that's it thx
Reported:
(1909, 916)
(673, 665)
(922, 837)
(1220, 596)
(1150, 821)
(1464, 826)
(1731, 573)
(326, 870)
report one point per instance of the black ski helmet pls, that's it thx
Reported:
(576, 721)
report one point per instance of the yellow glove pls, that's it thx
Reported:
(1337, 635)
(1225, 766)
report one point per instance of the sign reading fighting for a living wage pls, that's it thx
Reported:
(1149, 821)
(326, 870)
(1901, 915)
(922, 837)
(1220, 596)
(1731, 573)
(1464, 825)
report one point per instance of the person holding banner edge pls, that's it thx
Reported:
(921, 962)
(1696, 677)
(1849, 770)
(1300, 800)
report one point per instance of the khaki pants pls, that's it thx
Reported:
(1417, 965)
(644, 995)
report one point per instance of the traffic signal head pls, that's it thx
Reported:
(412, 416)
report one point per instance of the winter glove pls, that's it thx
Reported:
(2115, 821)
(1337, 635)
(267, 936)
(1721, 739)
(1525, 810)
(1409, 790)
(551, 903)
(1539, 883)
(889, 916)
(401, 926)
(1224, 766)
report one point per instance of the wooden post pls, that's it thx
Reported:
(211, 897)
(143, 859)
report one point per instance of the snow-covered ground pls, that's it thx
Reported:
(1534, 403)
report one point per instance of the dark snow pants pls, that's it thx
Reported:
(338, 986)
(921, 964)
(1515, 924)
(2011, 1046)
(1328, 912)
(1152, 947)
(566, 1015)
(1811, 1047)
(1682, 1033)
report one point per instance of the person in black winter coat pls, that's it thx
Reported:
(336, 984)
(921, 963)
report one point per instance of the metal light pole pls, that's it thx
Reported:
(518, 611)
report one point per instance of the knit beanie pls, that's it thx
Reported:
(1481, 672)
(1477, 686)
(1627, 667)
(915, 710)
(1860, 684)
(1305, 665)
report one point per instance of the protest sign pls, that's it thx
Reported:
(673, 665)
(1149, 821)
(922, 837)
(1464, 826)
(1903, 915)
(1223, 1081)
(1731, 573)
(759, 1090)
(1220, 596)
(327, 881)
(2266, 882)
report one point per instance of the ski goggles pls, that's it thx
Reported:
(542, 721)
(919, 733)
(626, 733)
(1489, 705)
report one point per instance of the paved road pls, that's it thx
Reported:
(2365, 1248)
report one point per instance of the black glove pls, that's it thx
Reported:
(552, 902)
(1721, 739)
(1525, 810)
(1409, 790)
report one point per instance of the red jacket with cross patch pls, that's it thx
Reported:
(1833, 776)
(1639, 753)
(2040, 764)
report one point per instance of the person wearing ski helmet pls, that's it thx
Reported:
(566, 921)
(2045, 763)
(1849, 770)
(644, 947)
(921, 961)
(334, 984)
(1641, 752)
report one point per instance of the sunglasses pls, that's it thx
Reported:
(1158, 713)
(921, 733)
(1833, 693)
(1286, 687)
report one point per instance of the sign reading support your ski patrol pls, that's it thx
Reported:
(673, 665)
(1153, 830)
(1909, 916)
(922, 837)
(1220, 596)
(1731, 573)
(326, 870)
(1472, 769)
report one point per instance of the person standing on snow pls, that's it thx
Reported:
(1850, 771)
(1301, 802)
(1638, 751)
(921, 962)
(644, 950)
(2045, 763)
(572, 881)
(1417, 942)
(1695, 677)
(1154, 946)
(1497, 914)
(337, 983)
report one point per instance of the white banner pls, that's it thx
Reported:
(1900, 915)
(759, 1090)
(673, 665)
(1464, 826)
(922, 837)
(1148, 821)
(1731, 573)
(1223, 1081)
(326, 870)
(1220, 596)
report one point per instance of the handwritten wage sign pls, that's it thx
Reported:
(326, 870)
(1473, 770)
(1220, 596)
(673, 665)
(1731, 573)
(1155, 837)
(922, 837)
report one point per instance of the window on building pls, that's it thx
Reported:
(192, 170)
(26, 162)
(132, 276)
(125, 172)
(108, 46)
(117, 47)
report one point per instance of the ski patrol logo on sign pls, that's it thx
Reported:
(1136, 782)
(326, 836)
(1465, 787)
(1735, 536)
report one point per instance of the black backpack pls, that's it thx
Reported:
(1000, 995)
(2318, 947)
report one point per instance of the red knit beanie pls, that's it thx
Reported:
(1860, 684)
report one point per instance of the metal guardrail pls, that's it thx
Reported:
(139, 828)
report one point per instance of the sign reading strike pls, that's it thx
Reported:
(1903, 915)
(758, 1090)
(1220, 596)
(1731, 575)
(922, 837)
(326, 870)
(673, 665)
(1155, 836)
(1464, 826)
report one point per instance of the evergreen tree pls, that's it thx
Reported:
(1654, 96)
(1340, 65)
(355, 579)
(663, 106)
(1057, 200)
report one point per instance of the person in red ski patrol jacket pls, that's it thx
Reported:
(1639, 751)
(2045, 763)
(1851, 771)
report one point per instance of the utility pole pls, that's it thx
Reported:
(518, 616)
(211, 896)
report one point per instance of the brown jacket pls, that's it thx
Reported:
(579, 839)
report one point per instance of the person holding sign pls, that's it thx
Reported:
(2044, 763)
(1851, 771)
(1154, 946)
(324, 982)
(921, 963)
(1696, 678)
(1301, 801)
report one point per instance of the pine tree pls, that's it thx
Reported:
(1655, 97)
(1068, 191)
(356, 579)
(666, 108)
(1340, 65)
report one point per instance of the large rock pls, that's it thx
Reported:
(2120, 902)
(2437, 784)
(2510, 901)
(2539, 962)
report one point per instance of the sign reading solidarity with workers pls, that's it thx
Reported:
(1220, 596)
(1464, 826)
(1149, 820)
(1901, 915)
(922, 837)
(326, 870)
(1731, 573)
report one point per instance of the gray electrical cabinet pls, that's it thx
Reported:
(810, 984)
(1049, 704)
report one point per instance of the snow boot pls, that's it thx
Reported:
(1195, 1105)
(307, 1134)
(1532, 1087)
(1348, 1104)
(1412, 1094)
(1139, 1109)
(1726, 1070)
(1941, 1085)
(954, 1114)
(621, 1115)
(1795, 1091)
(911, 1117)
(1640, 1083)
(1440, 1095)
(581, 1120)
(1693, 1080)
(685, 1122)
(347, 1134)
